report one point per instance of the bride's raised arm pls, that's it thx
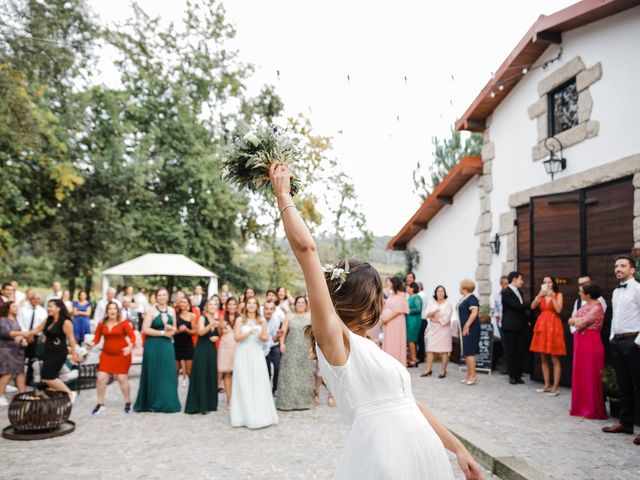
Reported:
(329, 331)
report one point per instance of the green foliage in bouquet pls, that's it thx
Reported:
(249, 158)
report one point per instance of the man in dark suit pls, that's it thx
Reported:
(515, 323)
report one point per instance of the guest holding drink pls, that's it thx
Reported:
(81, 316)
(158, 391)
(548, 334)
(587, 396)
(115, 358)
(439, 314)
(468, 313)
(394, 327)
(203, 391)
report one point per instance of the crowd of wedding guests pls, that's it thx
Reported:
(254, 351)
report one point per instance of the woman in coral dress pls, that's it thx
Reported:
(227, 350)
(587, 396)
(115, 359)
(548, 334)
(394, 325)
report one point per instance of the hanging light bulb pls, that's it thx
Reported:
(492, 94)
(26, 203)
(192, 201)
(9, 163)
(348, 78)
(208, 191)
(166, 198)
(398, 117)
(59, 205)
(93, 205)
(525, 70)
(501, 86)
(405, 79)
(127, 202)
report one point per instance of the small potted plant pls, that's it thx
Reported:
(611, 390)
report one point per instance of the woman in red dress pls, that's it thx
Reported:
(587, 396)
(115, 359)
(548, 334)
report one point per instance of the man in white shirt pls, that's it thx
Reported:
(625, 343)
(422, 351)
(30, 315)
(19, 296)
(129, 312)
(101, 307)
(57, 292)
(271, 347)
(199, 299)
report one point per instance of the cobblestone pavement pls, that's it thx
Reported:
(304, 445)
(530, 425)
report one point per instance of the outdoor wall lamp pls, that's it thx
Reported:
(495, 244)
(554, 164)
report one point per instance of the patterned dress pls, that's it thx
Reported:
(11, 353)
(295, 383)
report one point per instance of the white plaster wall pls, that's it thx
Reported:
(448, 246)
(615, 42)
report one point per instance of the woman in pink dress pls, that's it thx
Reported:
(587, 397)
(439, 314)
(394, 327)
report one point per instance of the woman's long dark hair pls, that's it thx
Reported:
(226, 312)
(554, 285)
(64, 313)
(358, 301)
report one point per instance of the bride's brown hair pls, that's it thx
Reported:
(358, 300)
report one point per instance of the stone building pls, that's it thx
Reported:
(558, 182)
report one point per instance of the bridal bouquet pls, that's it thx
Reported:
(249, 158)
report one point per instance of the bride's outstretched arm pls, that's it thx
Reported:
(328, 330)
(467, 464)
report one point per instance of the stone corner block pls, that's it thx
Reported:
(588, 77)
(593, 128)
(487, 167)
(636, 230)
(636, 180)
(585, 105)
(542, 125)
(486, 136)
(484, 223)
(636, 202)
(506, 222)
(488, 151)
(538, 108)
(484, 256)
(484, 288)
(483, 272)
(561, 75)
(486, 181)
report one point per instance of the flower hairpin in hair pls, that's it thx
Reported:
(333, 272)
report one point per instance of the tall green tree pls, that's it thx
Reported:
(446, 154)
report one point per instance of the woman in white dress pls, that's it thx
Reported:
(252, 402)
(393, 436)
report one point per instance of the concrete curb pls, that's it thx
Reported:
(494, 458)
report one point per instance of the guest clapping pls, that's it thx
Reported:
(186, 327)
(470, 324)
(227, 350)
(394, 327)
(413, 319)
(587, 396)
(115, 358)
(548, 334)
(12, 345)
(439, 314)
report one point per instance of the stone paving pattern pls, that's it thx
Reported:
(307, 444)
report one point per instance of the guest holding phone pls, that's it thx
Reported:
(548, 334)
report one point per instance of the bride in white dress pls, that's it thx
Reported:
(393, 436)
(252, 402)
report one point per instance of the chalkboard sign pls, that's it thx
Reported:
(485, 355)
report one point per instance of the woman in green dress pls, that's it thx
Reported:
(296, 380)
(414, 318)
(203, 389)
(158, 391)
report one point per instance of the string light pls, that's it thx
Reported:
(208, 191)
(278, 74)
(26, 203)
(492, 94)
(525, 70)
(93, 205)
(192, 201)
(348, 78)
(9, 163)
(501, 86)
(166, 198)
(59, 205)
(127, 202)
(405, 79)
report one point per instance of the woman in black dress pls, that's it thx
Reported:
(187, 327)
(57, 326)
(470, 324)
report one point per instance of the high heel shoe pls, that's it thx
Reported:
(442, 375)
(426, 374)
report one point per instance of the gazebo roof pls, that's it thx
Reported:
(171, 264)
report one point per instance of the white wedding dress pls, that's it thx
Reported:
(390, 438)
(251, 398)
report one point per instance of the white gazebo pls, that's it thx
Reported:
(168, 264)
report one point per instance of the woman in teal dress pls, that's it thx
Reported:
(203, 389)
(414, 318)
(158, 391)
